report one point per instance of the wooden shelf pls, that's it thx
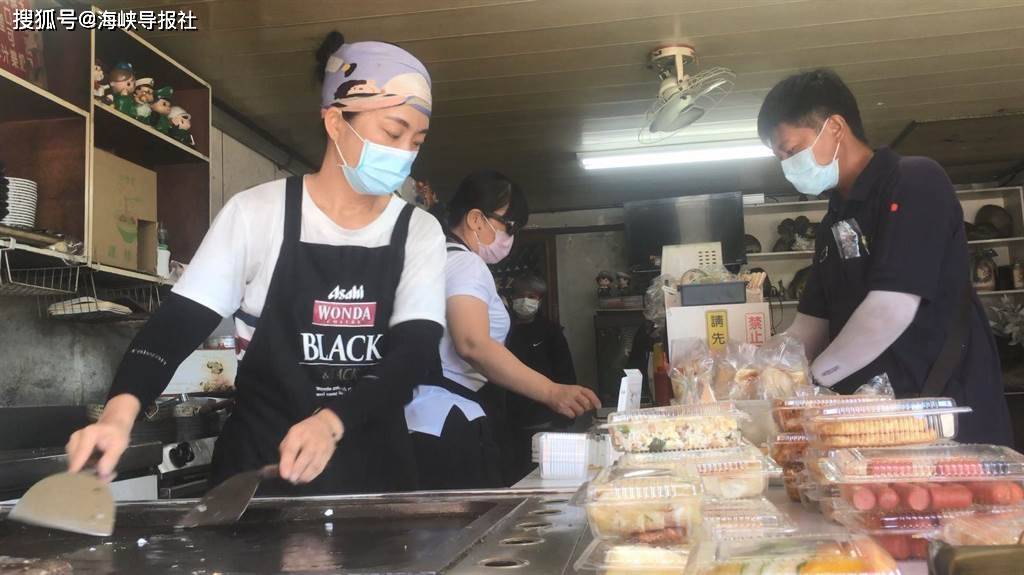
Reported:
(996, 242)
(769, 207)
(52, 153)
(24, 101)
(1000, 292)
(805, 254)
(988, 193)
(795, 255)
(136, 142)
(190, 91)
(109, 275)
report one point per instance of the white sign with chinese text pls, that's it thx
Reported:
(743, 322)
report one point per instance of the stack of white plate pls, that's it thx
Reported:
(22, 198)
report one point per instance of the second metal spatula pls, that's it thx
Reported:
(77, 502)
(227, 502)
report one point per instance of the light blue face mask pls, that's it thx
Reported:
(806, 175)
(381, 169)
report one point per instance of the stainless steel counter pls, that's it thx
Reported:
(430, 532)
(498, 532)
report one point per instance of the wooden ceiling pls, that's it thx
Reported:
(517, 82)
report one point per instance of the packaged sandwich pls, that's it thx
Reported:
(683, 427)
(649, 506)
(733, 473)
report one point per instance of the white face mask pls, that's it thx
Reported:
(807, 175)
(525, 307)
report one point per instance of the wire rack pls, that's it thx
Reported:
(36, 281)
(133, 303)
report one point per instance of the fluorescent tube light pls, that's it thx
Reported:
(664, 155)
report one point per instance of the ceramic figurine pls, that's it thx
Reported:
(604, 284)
(161, 107)
(143, 98)
(100, 87)
(984, 276)
(622, 283)
(122, 84)
(181, 123)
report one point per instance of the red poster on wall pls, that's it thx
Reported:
(21, 51)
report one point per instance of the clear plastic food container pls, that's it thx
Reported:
(614, 558)
(681, 427)
(887, 423)
(788, 448)
(838, 554)
(984, 529)
(733, 473)
(652, 506)
(791, 474)
(931, 497)
(789, 414)
(904, 535)
(951, 462)
(745, 519)
(758, 427)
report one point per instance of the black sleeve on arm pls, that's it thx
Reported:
(560, 356)
(411, 358)
(177, 328)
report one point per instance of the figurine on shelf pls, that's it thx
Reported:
(181, 123)
(984, 276)
(143, 98)
(604, 284)
(122, 84)
(100, 87)
(161, 107)
(622, 283)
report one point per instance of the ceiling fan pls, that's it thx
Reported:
(682, 99)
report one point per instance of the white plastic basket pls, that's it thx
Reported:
(562, 455)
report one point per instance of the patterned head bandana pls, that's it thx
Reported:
(372, 75)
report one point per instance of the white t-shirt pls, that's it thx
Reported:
(465, 274)
(232, 269)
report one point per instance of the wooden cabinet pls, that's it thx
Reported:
(48, 134)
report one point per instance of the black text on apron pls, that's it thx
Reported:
(324, 326)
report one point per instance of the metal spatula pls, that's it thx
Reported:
(76, 502)
(227, 502)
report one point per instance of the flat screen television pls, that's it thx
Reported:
(652, 224)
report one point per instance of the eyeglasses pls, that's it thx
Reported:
(511, 227)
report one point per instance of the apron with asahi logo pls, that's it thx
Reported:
(322, 330)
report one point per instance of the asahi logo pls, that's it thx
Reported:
(352, 293)
(348, 314)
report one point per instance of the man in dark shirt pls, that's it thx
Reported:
(889, 290)
(540, 344)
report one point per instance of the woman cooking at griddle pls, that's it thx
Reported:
(337, 290)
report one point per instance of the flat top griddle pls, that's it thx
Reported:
(419, 534)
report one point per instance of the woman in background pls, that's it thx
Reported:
(540, 343)
(454, 443)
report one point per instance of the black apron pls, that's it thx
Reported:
(323, 327)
